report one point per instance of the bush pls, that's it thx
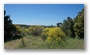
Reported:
(35, 30)
(22, 30)
(53, 34)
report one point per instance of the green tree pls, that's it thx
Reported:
(79, 24)
(67, 27)
(59, 24)
(9, 29)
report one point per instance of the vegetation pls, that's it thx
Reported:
(30, 42)
(74, 27)
(67, 27)
(54, 34)
(67, 35)
(79, 24)
(10, 31)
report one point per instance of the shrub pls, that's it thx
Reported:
(44, 33)
(53, 34)
(35, 30)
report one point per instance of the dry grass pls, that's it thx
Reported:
(37, 43)
(12, 44)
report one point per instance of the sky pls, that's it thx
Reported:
(41, 14)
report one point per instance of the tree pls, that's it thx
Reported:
(59, 24)
(9, 29)
(51, 26)
(70, 27)
(79, 24)
(67, 27)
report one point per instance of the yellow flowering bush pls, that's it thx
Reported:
(22, 30)
(53, 34)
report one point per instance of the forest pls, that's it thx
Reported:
(66, 35)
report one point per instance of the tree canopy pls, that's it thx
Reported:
(9, 29)
(74, 27)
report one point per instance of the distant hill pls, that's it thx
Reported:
(27, 26)
(23, 25)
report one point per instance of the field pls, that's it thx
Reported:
(34, 42)
(57, 33)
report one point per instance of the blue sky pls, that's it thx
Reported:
(41, 14)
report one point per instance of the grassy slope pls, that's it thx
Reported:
(37, 43)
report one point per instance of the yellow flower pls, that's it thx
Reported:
(53, 34)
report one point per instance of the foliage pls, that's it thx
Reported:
(79, 24)
(9, 29)
(53, 34)
(59, 24)
(37, 43)
(67, 27)
(22, 30)
(74, 28)
(35, 30)
(49, 37)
